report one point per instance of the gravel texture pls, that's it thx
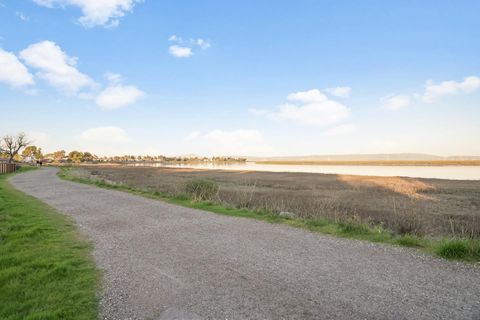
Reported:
(162, 261)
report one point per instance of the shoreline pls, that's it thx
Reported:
(414, 163)
(451, 173)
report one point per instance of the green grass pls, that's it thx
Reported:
(46, 270)
(458, 249)
(455, 249)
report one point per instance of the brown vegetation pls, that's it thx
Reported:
(405, 205)
(378, 162)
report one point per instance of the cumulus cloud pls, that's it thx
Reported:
(103, 140)
(341, 92)
(235, 142)
(184, 48)
(180, 52)
(105, 13)
(56, 67)
(13, 72)
(311, 107)
(435, 91)
(396, 102)
(118, 96)
(339, 130)
(103, 135)
(310, 96)
(60, 71)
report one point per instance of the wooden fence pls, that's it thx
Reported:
(7, 167)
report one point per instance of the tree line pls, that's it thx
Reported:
(20, 149)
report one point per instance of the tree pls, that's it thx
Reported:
(87, 157)
(33, 152)
(59, 155)
(75, 156)
(11, 145)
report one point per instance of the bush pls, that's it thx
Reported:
(199, 189)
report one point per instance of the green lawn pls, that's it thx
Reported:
(46, 269)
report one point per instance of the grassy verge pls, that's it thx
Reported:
(46, 271)
(449, 248)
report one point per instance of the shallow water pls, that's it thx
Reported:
(438, 172)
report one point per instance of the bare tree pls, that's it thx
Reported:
(11, 145)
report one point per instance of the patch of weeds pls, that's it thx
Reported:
(316, 223)
(354, 228)
(181, 197)
(201, 189)
(461, 249)
(409, 241)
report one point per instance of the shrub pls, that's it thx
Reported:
(200, 189)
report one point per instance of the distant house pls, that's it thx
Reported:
(29, 159)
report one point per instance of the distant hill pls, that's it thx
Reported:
(365, 157)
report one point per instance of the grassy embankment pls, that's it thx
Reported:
(46, 270)
(449, 248)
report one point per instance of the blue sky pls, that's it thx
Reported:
(242, 77)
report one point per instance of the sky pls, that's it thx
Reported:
(242, 77)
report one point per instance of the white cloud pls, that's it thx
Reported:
(118, 95)
(340, 130)
(105, 13)
(113, 78)
(202, 43)
(60, 71)
(396, 102)
(12, 71)
(312, 108)
(103, 135)
(434, 91)
(180, 52)
(56, 67)
(184, 48)
(235, 142)
(341, 92)
(310, 96)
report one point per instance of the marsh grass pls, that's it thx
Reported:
(201, 189)
(46, 271)
(350, 226)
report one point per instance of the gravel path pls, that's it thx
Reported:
(163, 261)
